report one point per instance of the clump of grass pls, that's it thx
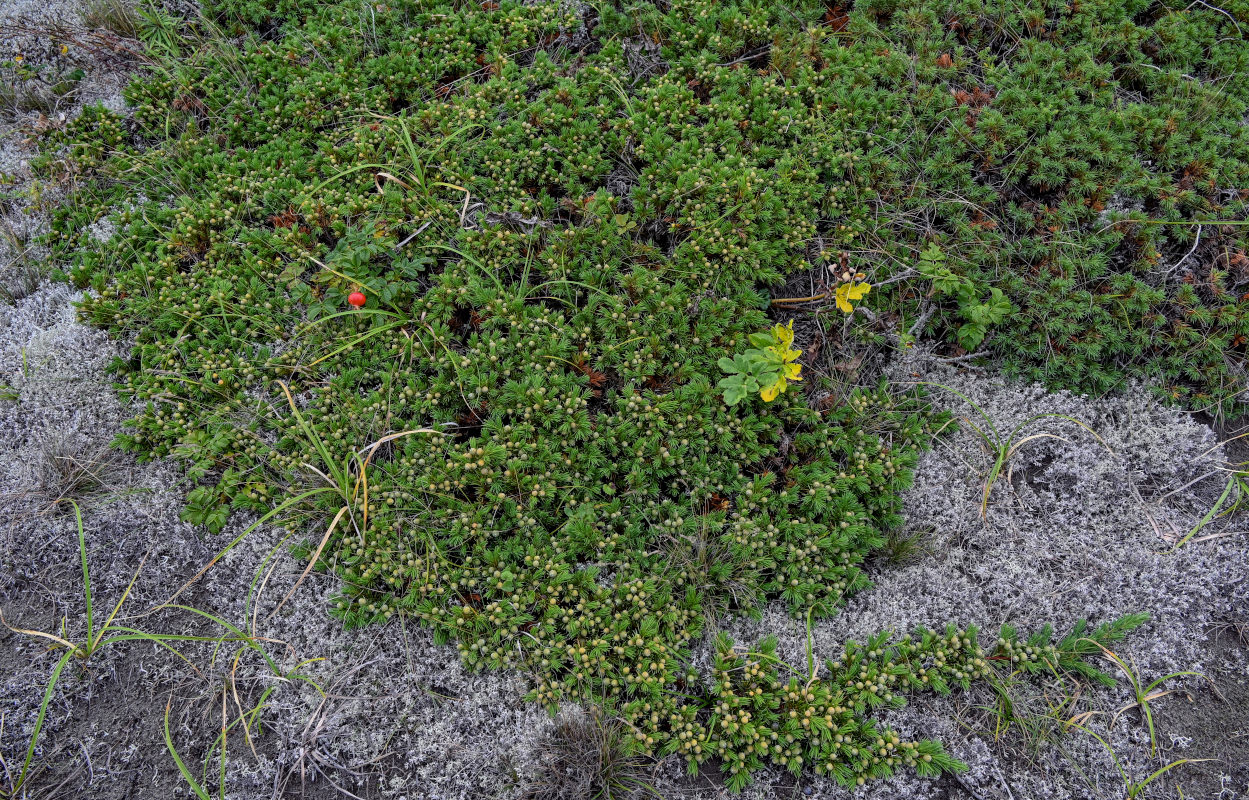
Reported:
(1024, 723)
(45, 89)
(20, 280)
(117, 16)
(18, 96)
(69, 470)
(8, 96)
(37, 97)
(903, 546)
(590, 755)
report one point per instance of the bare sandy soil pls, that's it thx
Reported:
(1077, 527)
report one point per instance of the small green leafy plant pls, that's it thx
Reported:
(978, 313)
(767, 368)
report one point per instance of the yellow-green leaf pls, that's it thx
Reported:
(769, 393)
(850, 291)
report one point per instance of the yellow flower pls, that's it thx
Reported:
(850, 291)
(19, 58)
(64, 49)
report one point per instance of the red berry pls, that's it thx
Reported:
(357, 299)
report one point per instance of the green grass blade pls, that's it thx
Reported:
(86, 575)
(1227, 490)
(43, 711)
(177, 759)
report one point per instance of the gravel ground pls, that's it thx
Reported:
(1077, 527)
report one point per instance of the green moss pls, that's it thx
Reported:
(518, 437)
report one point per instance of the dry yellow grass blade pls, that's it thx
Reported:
(311, 561)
